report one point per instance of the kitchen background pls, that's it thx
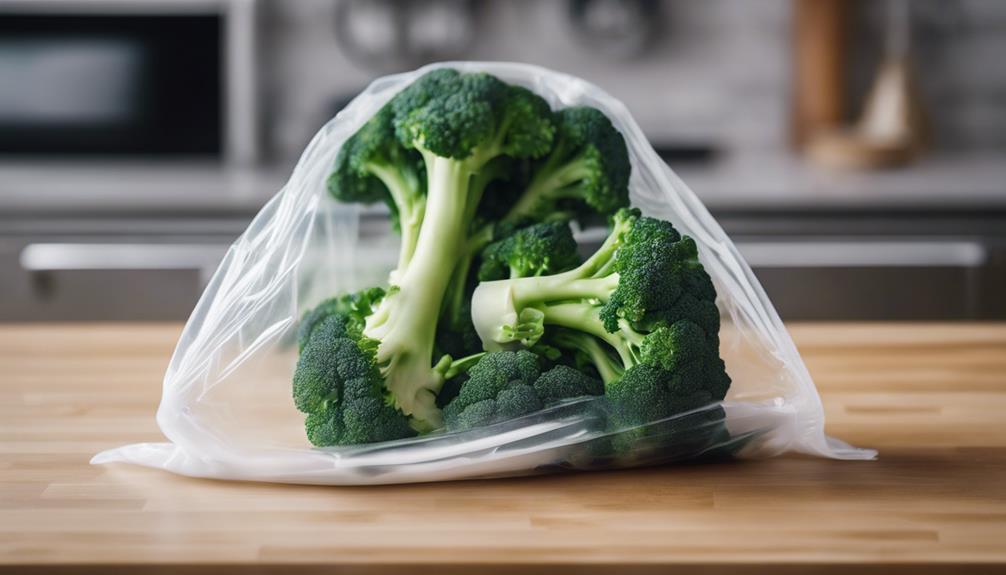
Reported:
(855, 150)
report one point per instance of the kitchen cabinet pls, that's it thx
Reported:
(930, 397)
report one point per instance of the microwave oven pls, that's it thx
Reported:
(124, 79)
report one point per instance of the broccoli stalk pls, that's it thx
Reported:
(588, 351)
(405, 322)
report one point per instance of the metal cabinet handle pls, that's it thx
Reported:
(49, 257)
(852, 254)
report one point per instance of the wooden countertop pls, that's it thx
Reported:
(931, 397)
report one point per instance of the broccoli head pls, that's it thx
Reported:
(506, 384)
(587, 171)
(372, 166)
(338, 385)
(540, 249)
(351, 310)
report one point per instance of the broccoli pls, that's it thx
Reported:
(564, 382)
(482, 179)
(507, 384)
(337, 381)
(540, 249)
(534, 250)
(586, 171)
(338, 385)
(352, 310)
(372, 166)
(641, 311)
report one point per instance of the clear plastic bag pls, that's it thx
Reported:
(226, 406)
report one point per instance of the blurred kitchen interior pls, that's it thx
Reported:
(855, 150)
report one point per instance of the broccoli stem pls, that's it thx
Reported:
(459, 277)
(476, 241)
(553, 181)
(498, 306)
(406, 324)
(609, 370)
(534, 290)
(410, 205)
(584, 317)
(528, 201)
(456, 367)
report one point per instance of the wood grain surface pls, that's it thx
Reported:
(931, 397)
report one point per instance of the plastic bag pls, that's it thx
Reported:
(226, 407)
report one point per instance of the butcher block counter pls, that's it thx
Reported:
(930, 397)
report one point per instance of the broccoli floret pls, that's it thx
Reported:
(540, 249)
(352, 310)
(484, 398)
(506, 384)
(635, 311)
(564, 382)
(338, 385)
(372, 166)
(587, 171)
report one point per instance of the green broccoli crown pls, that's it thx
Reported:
(338, 385)
(586, 172)
(656, 268)
(351, 311)
(587, 135)
(536, 250)
(640, 311)
(647, 393)
(372, 166)
(640, 396)
(505, 385)
(499, 387)
(565, 382)
(455, 115)
(496, 371)
(675, 346)
(525, 128)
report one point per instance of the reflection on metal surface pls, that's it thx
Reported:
(863, 253)
(48, 257)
